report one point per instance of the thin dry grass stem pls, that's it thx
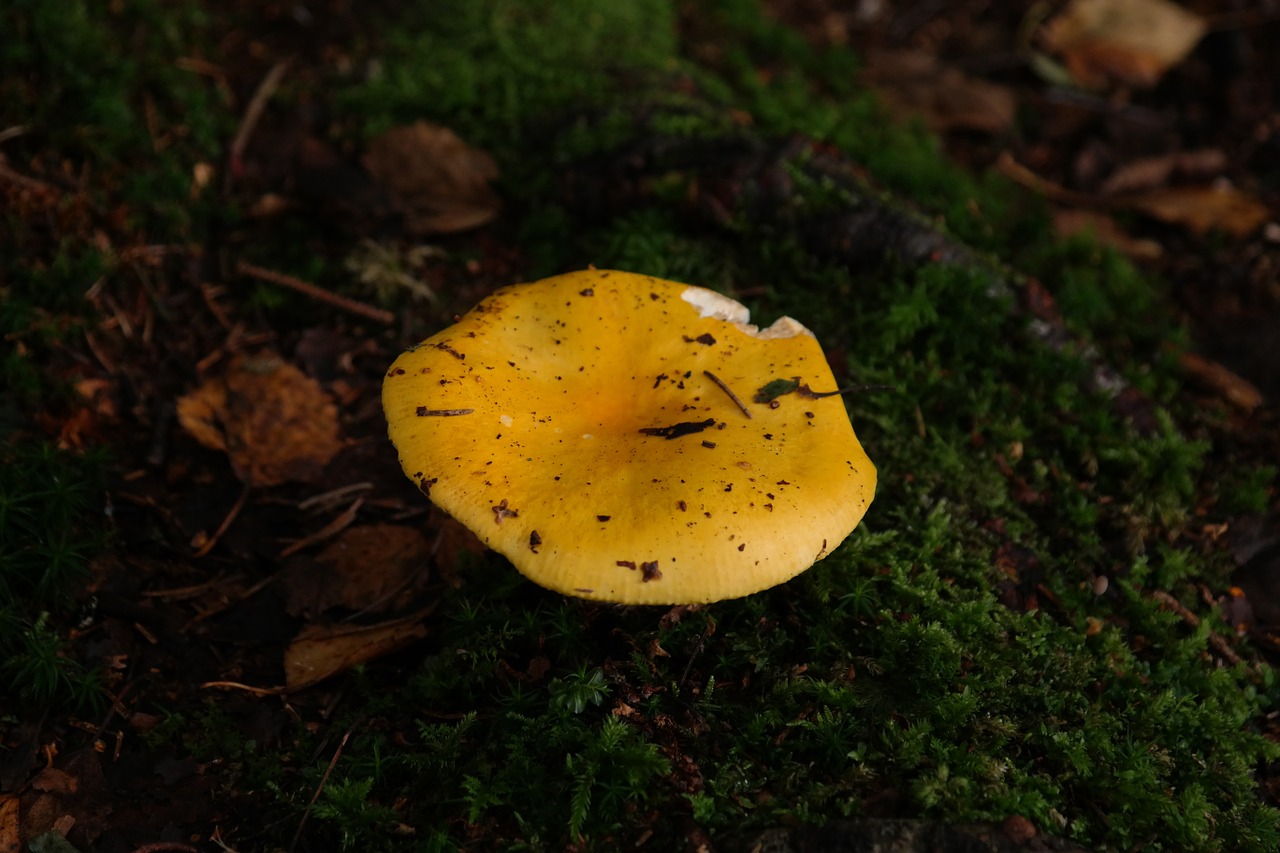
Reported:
(333, 762)
(207, 545)
(331, 529)
(369, 312)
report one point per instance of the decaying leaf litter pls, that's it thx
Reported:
(246, 513)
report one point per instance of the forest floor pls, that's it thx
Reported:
(231, 622)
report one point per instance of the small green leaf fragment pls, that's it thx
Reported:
(775, 389)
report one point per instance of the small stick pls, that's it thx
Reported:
(324, 780)
(424, 412)
(248, 688)
(253, 112)
(334, 496)
(1218, 643)
(208, 544)
(805, 391)
(333, 528)
(727, 390)
(368, 311)
(23, 181)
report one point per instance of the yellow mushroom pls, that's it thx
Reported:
(624, 438)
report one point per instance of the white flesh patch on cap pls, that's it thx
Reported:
(712, 304)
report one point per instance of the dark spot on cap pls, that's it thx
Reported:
(534, 541)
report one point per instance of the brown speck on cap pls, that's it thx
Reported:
(534, 541)
(502, 511)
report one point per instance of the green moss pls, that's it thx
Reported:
(101, 84)
(490, 68)
(48, 534)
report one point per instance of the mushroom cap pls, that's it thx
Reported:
(593, 428)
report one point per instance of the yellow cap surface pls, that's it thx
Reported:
(585, 427)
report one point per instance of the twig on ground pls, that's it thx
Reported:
(320, 788)
(207, 545)
(378, 315)
(1219, 644)
(23, 181)
(247, 688)
(331, 529)
(252, 113)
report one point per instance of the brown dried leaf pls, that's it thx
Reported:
(372, 568)
(274, 422)
(1106, 231)
(1201, 209)
(1227, 384)
(1130, 41)
(10, 837)
(1149, 172)
(915, 83)
(51, 780)
(322, 651)
(441, 184)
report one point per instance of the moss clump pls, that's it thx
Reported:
(48, 534)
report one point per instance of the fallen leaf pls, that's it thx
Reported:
(441, 184)
(1130, 41)
(1104, 229)
(1149, 172)
(1227, 384)
(914, 83)
(322, 651)
(371, 568)
(1201, 209)
(274, 422)
(51, 780)
(10, 839)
